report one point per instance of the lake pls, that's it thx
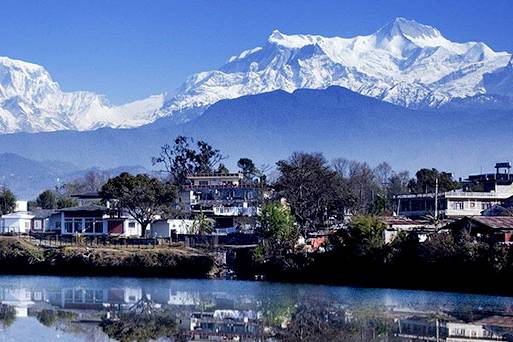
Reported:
(40, 308)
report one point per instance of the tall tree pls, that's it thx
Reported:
(361, 180)
(277, 230)
(47, 200)
(185, 157)
(314, 191)
(248, 169)
(141, 196)
(7, 201)
(222, 169)
(425, 181)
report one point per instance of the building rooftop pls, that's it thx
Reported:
(87, 195)
(215, 175)
(496, 222)
(43, 213)
(84, 208)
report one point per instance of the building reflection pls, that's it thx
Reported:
(202, 315)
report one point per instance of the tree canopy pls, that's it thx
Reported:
(185, 157)
(142, 196)
(313, 189)
(425, 180)
(47, 200)
(7, 201)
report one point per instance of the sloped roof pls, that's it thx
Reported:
(43, 213)
(496, 222)
(19, 214)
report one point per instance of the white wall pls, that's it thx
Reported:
(15, 225)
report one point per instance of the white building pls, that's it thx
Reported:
(17, 223)
(495, 188)
(165, 228)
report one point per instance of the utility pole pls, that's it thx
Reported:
(436, 198)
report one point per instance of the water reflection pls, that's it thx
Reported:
(91, 309)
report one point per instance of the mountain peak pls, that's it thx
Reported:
(409, 28)
(295, 41)
(411, 31)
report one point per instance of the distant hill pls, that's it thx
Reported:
(269, 126)
(27, 178)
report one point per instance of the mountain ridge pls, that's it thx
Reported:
(268, 127)
(404, 62)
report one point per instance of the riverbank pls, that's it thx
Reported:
(20, 256)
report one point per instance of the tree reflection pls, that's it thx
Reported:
(7, 315)
(144, 321)
(320, 322)
(50, 317)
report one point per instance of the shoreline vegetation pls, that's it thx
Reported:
(20, 256)
(406, 264)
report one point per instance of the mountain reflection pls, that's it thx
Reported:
(199, 310)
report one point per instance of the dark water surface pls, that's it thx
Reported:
(38, 308)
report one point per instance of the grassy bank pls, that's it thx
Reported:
(18, 255)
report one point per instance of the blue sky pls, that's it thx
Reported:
(131, 49)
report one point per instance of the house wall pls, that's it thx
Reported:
(163, 228)
(160, 229)
(131, 228)
(16, 225)
(75, 222)
(468, 207)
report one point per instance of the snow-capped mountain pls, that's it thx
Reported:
(404, 62)
(31, 101)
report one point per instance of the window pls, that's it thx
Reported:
(131, 224)
(88, 226)
(486, 205)
(89, 296)
(57, 225)
(203, 183)
(98, 227)
(457, 205)
(68, 226)
(78, 225)
(98, 296)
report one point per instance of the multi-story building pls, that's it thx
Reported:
(226, 198)
(479, 192)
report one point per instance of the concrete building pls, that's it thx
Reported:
(167, 228)
(226, 198)
(479, 193)
(96, 220)
(16, 223)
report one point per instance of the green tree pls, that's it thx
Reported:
(364, 236)
(425, 181)
(248, 169)
(141, 196)
(47, 200)
(276, 229)
(66, 202)
(222, 169)
(7, 201)
(202, 225)
(314, 191)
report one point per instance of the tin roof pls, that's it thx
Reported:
(496, 222)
